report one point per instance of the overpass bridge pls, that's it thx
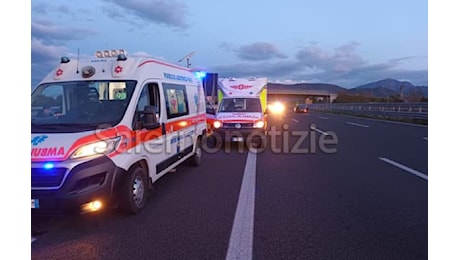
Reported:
(291, 95)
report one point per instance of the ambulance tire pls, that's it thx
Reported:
(134, 191)
(212, 140)
(195, 160)
(256, 142)
(259, 141)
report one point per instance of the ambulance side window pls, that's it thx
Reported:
(176, 100)
(150, 96)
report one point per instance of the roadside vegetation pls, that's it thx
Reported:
(360, 98)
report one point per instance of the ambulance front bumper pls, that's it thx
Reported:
(238, 133)
(61, 190)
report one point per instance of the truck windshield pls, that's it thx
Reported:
(240, 105)
(79, 105)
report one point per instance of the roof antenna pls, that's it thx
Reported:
(78, 58)
(188, 56)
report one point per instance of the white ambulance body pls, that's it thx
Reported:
(241, 112)
(105, 129)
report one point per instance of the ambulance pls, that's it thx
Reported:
(113, 125)
(241, 114)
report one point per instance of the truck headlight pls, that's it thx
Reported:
(97, 148)
(277, 108)
(259, 124)
(217, 124)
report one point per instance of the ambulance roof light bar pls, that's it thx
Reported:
(110, 53)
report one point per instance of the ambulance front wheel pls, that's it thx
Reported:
(133, 191)
(258, 141)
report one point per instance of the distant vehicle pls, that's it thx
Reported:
(276, 108)
(242, 109)
(301, 108)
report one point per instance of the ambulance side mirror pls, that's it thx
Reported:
(210, 110)
(148, 118)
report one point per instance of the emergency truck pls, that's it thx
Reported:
(117, 124)
(241, 113)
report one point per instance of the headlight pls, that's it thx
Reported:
(217, 124)
(97, 148)
(277, 108)
(259, 124)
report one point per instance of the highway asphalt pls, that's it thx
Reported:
(324, 187)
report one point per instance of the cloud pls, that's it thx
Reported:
(170, 13)
(227, 46)
(44, 58)
(259, 51)
(50, 33)
(40, 8)
(47, 46)
(46, 54)
(367, 73)
(342, 67)
(263, 69)
(342, 60)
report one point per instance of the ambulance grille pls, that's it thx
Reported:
(47, 177)
(243, 125)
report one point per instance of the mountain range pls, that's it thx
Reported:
(381, 88)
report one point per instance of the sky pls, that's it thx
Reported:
(346, 43)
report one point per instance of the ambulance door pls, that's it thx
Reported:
(179, 128)
(152, 141)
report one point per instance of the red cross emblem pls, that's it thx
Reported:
(118, 69)
(241, 86)
(59, 72)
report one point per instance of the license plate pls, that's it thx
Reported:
(35, 204)
(237, 139)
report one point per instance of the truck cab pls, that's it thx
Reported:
(241, 113)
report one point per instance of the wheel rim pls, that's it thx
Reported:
(138, 190)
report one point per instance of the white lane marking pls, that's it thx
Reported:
(322, 117)
(312, 127)
(295, 120)
(410, 170)
(356, 124)
(240, 246)
(33, 239)
(382, 120)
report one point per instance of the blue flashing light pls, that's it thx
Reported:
(48, 166)
(200, 74)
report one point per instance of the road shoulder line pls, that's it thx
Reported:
(403, 167)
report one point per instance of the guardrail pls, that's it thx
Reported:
(386, 110)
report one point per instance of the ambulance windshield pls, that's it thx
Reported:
(79, 105)
(240, 105)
